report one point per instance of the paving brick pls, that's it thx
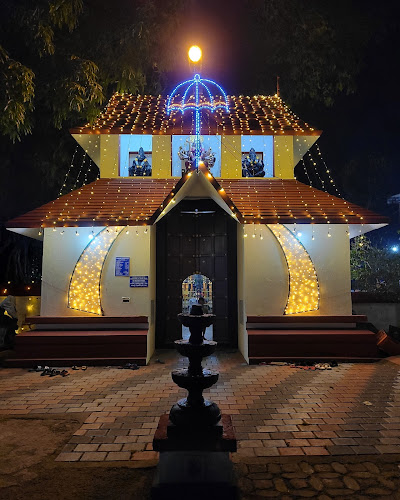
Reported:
(145, 455)
(95, 456)
(118, 455)
(86, 447)
(292, 451)
(315, 450)
(111, 447)
(271, 406)
(68, 457)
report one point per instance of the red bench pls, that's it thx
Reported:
(69, 340)
(310, 337)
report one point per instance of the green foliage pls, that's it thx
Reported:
(314, 46)
(30, 34)
(17, 91)
(374, 269)
(69, 69)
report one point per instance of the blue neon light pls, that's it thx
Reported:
(196, 88)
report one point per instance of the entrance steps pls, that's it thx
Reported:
(62, 345)
(294, 338)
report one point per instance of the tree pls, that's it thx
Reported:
(375, 270)
(60, 59)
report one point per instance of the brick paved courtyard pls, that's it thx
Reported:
(353, 409)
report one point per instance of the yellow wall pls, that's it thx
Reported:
(161, 156)
(104, 151)
(231, 156)
(109, 156)
(283, 157)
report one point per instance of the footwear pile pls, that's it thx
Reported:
(304, 365)
(51, 372)
(129, 366)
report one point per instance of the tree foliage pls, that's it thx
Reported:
(373, 269)
(60, 59)
(315, 46)
(28, 34)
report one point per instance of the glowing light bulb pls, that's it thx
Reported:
(195, 53)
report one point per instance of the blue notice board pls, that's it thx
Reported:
(122, 266)
(138, 281)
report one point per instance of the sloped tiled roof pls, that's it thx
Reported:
(264, 115)
(137, 201)
(103, 202)
(285, 201)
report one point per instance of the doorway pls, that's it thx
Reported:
(197, 237)
(194, 287)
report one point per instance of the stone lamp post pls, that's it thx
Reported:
(194, 440)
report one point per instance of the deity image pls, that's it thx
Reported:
(188, 157)
(252, 165)
(140, 166)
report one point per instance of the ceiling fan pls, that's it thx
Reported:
(196, 211)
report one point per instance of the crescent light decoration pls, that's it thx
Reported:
(84, 292)
(303, 281)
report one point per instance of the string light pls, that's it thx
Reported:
(84, 293)
(303, 282)
(128, 113)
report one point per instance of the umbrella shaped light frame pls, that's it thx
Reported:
(197, 90)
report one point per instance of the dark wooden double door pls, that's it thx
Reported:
(196, 237)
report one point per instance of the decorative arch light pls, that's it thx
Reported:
(84, 292)
(303, 281)
(196, 95)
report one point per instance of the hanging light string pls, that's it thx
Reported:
(64, 184)
(310, 183)
(80, 170)
(327, 170)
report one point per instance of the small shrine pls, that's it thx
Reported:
(197, 196)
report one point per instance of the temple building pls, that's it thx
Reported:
(196, 199)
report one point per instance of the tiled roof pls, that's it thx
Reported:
(264, 115)
(285, 201)
(127, 201)
(103, 202)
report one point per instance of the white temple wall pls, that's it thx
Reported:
(242, 332)
(60, 255)
(266, 276)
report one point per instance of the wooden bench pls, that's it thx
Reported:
(87, 322)
(296, 321)
(310, 337)
(70, 340)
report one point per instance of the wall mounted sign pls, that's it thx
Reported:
(122, 266)
(138, 281)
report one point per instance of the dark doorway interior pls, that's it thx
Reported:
(196, 237)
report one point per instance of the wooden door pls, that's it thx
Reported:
(202, 242)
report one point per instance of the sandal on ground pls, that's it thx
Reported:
(83, 368)
(64, 373)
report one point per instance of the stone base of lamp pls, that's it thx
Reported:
(195, 462)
